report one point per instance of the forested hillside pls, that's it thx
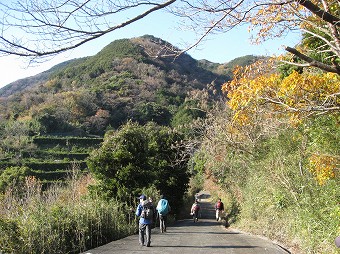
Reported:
(128, 80)
(46, 120)
(123, 81)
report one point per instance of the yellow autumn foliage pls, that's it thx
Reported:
(296, 95)
(268, 18)
(323, 167)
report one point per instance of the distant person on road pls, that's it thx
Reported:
(219, 207)
(163, 208)
(145, 211)
(195, 208)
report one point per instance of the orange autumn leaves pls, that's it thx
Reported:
(255, 90)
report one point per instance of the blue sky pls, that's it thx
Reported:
(219, 48)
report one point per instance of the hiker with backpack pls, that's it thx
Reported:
(145, 211)
(219, 207)
(163, 208)
(195, 208)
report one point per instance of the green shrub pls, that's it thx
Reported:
(137, 157)
(10, 240)
(13, 176)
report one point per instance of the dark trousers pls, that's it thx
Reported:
(162, 223)
(195, 216)
(145, 229)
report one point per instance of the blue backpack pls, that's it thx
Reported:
(163, 207)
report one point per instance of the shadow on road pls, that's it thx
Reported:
(211, 247)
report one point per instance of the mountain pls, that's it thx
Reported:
(52, 121)
(149, 47)
(29, 82)
(140, 79)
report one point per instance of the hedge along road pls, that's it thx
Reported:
(186, 237)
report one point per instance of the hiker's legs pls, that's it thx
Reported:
(165, 218)
(142, 228)
(162, 223)
(218, 214)
(148, 234)
(195, 216)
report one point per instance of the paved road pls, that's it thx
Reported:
(187, 237)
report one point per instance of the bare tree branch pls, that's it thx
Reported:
(309, 108)
(324, 15)
(72, 37)
(313, 62)
(38, 29)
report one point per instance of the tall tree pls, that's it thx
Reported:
(137, 157)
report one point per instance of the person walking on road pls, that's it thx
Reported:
(195, 208)
(219, 207)
(145, 211)
(163, 208)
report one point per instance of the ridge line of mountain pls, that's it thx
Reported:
(225, 69)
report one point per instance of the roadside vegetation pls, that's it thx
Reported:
(277, 170)
(63, 219)
(87, 210)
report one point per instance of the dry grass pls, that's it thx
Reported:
(62, 219)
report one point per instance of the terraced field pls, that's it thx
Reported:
(53, 159)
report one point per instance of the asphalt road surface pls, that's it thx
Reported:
(186, 237)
